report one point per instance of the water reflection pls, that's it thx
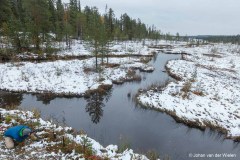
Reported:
(12, 100)
(144, 129)
(45, 98)
(154, 57)
(95, 103)
(236, 145)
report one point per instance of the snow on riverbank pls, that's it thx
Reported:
(50, 143)
(121, 48)
(80, 48)
(73, 77)
(208, 94)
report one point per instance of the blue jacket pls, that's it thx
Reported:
(14, 133)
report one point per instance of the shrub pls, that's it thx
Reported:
(131, 73)
(8, 119)
(123, 145)
(11, 107)
(145, 60)
(94, 157)
(36, 113)
(67, 146)
(152, 155)
(87, 70)
(111, 65)
(131, 76)
(86, 147)
(186, 89)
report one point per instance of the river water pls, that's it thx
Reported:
(115, 119)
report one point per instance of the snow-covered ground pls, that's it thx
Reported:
(50, 143)
(208, 94)
(78, 48)
(81, 48)
(145, 47)
(72, 77)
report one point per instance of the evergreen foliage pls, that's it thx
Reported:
(28, 25)
(222, 39)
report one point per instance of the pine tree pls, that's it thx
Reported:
(31, 21)
(94, 31)
(52, 15)
(67, 26)
(59, 20)
(37, 14)
(5, 11)
(177, 36)
(73, 13)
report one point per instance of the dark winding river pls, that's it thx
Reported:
(115, 119)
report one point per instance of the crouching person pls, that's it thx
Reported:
(15, 135)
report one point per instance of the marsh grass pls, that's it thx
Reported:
(152, 155)
(145, 60)
(124, 144)
(36, 113)
(186, 89)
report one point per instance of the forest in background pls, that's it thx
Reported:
(235, 39)
(33, 25)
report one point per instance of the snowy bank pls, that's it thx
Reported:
(56, 142)
(208, 93)
(82, 49)
(116, 48)
(73, 77)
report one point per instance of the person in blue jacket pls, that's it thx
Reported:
(16, 134)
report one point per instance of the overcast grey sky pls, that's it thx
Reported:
(191, 17)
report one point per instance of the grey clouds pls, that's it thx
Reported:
(191, 17)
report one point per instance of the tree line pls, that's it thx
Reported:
(235, 39)
(33, 25)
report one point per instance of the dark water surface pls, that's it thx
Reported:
(115, 118)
